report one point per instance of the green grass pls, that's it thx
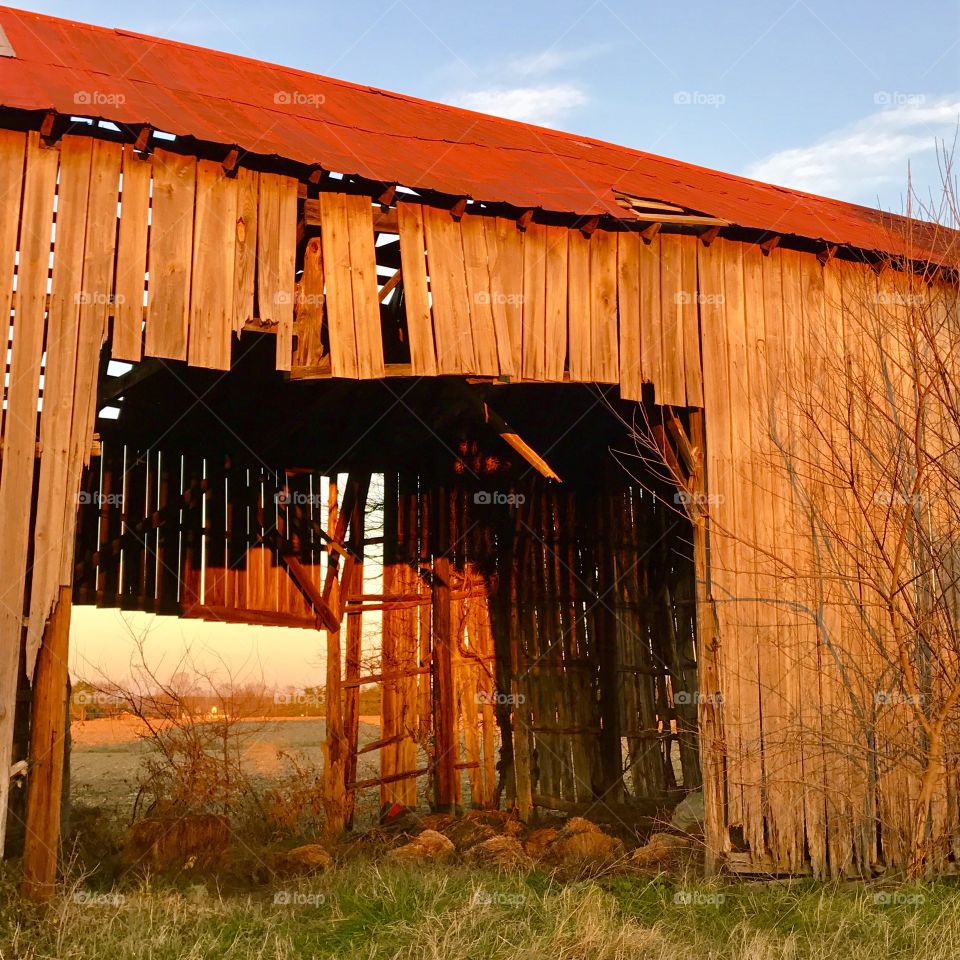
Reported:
(369, 911)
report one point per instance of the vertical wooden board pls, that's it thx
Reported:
(308, 324)
(579, 305)
(556, 306)
(674, 300)
(533, 313)
(96, 299)
(628, 300)
(476, 263)
(650, 317)
(720, 560)
(759, 460)
(807, 649)
(744, 608)
(127, 343)
(245, 252)
(20, 424)
(448, 286)
(286, 267)
(366, 303)
(214, 245)
(603, 307)
(692, 375)
(335, 237)
(53, 493)
(505, 252)
(170, 255)
(416, 295)
(12, 147)
(783, 761)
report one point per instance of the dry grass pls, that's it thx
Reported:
(368, 912)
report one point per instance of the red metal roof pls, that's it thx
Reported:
(132, 79)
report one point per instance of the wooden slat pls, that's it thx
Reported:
(286, 270)
(650, 316)
(20, 429)
(628, 297)
(556, 305)
(448, 286)
(674, 301)
(214, 248)
(363, 274)
(58, 386)
(578, 311)
(603, 307)
(335, 238)
(505, 251)
(12, 148)
(130, 285)
(308, 324)
(423, 358)
(533, 315)
(476, 265)
(170, 257)
(691, 322)
(245, 252)
(96, 299)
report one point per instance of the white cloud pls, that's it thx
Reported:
(535, 87)
(543, 104)
(868, 158)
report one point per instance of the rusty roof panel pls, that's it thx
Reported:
(131, 79)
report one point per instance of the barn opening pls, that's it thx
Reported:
(532, 641)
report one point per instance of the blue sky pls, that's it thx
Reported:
(831, 97)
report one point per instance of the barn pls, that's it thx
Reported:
(600, 397)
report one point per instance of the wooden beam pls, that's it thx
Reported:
(688, 453)
(326, 616)
(648, 233)
(770, 244)
(444, 703)
(523, 221)
(708, 236)
(389, 285)
(48, 728)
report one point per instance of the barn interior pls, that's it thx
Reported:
(504, 562)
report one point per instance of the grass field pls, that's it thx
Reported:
(368, 912)
(367, 908)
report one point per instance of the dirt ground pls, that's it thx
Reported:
(107, 752)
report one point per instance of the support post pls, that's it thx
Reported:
(334, 771)
(47, 739)
(710, 717)
(446, 774)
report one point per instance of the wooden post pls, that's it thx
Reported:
(710, 716)
(354, 650)
(445, 719)
(47, 737)
(334, 772)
